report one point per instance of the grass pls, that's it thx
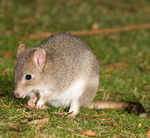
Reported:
(129, 82)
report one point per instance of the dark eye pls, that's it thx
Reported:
(28, 77)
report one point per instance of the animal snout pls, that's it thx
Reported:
(17, 92)
(17, 95)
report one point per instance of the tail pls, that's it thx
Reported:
(134, 107)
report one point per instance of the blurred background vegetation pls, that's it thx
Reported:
(19, 18)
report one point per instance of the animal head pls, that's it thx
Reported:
(29, 70)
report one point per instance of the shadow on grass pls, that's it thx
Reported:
(6, 91)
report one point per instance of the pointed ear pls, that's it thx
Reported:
(39, 57)
(21, 48)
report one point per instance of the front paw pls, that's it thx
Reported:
(32, 103)
(40, 104)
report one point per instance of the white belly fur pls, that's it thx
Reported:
(72, 93)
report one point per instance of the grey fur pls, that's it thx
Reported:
(68, 59)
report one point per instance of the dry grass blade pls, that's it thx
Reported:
(148, 134)
(116, 65)
(45, 120)
(112, 30)
(7, 54)
(107, 119)
(91, 116)
(7, 70)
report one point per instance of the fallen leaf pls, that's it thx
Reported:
(7, 70)
(148, 67)
(7, 54)
(139, 125)
(38, 131)
(116, 65)
(5, 105)
(148, 134)
(110, 123)
(45, 120)
(95, 26)
(15, 124)
(89, 133)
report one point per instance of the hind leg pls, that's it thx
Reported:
(74, 108)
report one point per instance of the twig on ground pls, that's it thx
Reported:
(94, 32)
